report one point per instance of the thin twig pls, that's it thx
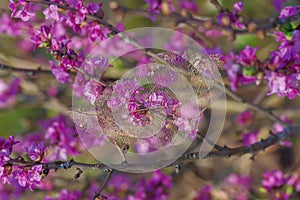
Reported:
(109, 173)
(264, 24)
(253, 106)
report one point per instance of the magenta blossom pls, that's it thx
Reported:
(52, 13)
(36, 151)
(20, 9)
(63, 138)
(250, 138)
(8, 92)
(245, 118)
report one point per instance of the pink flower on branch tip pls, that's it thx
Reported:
(36, 151)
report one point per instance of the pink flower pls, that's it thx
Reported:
(30, 178)
(204, 193)
(8, 92)
(60, 74)
(52, 13)
(92, 90)
(278, 4)
(6, 147)
(34, 176)
(189, 5)
(94, 8)
(36, 151)
(289, 11)
(250, 138)
(238, 6)
(245, 118)
(279, 128)
(63, 137)
(24, 14)
(248, 56)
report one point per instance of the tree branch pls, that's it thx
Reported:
(225, 152)
(253, 106)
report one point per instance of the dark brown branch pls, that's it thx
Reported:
(225, 152)
(57, 165)
(288, 132)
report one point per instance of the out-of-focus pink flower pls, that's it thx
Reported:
(245, 118)
(250, 138)
(8, 92)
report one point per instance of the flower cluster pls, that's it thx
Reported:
(21, 9)
(236, 187)
(226, 17)
(242, 68)
(27, 177)
(283, 70)
(158, 184)
(54, 35)
(6, 147)
(250, 138)
(89, 86)
(63, 139)
(279, 185)
(156, 6)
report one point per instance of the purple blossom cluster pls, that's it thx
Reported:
(280, 186)
(241, 69)
(236, 187)
(89, 86)
(55, 35)
(63, 141)
(62, 137)
(8, 92)
(155, 188)
(167, 7)
(26, 177)
(121, 186)
(227, 18)
(283, 72)
(139, 103)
